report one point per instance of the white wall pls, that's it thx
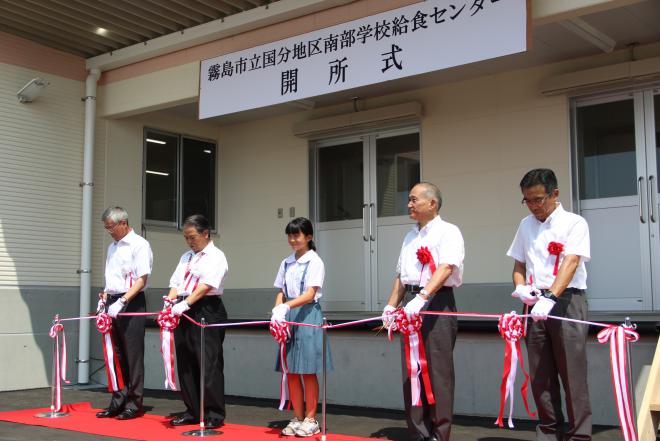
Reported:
(40, 205)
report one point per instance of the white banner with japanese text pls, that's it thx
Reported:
(423, 37)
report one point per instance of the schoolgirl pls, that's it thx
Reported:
(300, 281)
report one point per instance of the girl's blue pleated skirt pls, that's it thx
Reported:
(304, 350)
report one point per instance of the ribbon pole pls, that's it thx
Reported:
(56, 377)
(629, 325)
(202, 431)
(325, 376)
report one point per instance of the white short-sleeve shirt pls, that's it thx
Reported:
(444, 241)
(530, 246)
(310, 265)
(209, 267)
(128, 259)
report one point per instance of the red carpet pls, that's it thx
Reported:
(149, 427)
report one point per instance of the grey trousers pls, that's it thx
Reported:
(439, 335)
(557, 349)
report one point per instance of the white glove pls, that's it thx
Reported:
(100, 306)
(279, 312)
(414, 306)
(180, 307)
(167, 302)
(116, 308)
(388, 316)
(527, 294)
(542, 308)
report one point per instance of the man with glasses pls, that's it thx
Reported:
(127, 268)
(550, 249)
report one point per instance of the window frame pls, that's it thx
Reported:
(178, 223)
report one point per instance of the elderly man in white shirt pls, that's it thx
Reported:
(196, 287)
(127, 268)
(550, 249)
(422, 288)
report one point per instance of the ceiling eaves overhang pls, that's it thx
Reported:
(232, 25)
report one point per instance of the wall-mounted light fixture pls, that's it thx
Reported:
(31, 90)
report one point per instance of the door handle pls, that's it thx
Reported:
(364, 216)
(371, 221)
(652, 203)
(639, 194)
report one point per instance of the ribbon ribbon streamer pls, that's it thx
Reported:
(281, 334)
(168, 322)
(112, 366)
(59, 356)
(415, 355)
(618, 336)
(511, 329)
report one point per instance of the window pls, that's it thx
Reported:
(179, 178)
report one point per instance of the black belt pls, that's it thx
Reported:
(568, 291)
(122, 293)
(413, 289)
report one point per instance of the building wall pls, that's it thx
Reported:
(40, 200)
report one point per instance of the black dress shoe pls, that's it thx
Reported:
(108, 413)
(213, 423)
(128, 414)
(183, 420)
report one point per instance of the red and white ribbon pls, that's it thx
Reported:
(168, 322)
(112, 366)
(59, 356)
(415, 355)
(512, 330)
(281, 334)
(618, 336)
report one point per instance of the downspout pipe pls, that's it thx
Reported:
(87, 185)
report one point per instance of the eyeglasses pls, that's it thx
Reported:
(535, 202)
(111, 227)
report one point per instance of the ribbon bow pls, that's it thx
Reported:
(618, 336)
(168, 322)
(59, 355)
(103, 323)
(555, 249)
(112, 366)
(281, 334)
(512, 330)
(415, 355)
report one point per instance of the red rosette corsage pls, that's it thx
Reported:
(555, 249)
(103, 322)
(510, 327)
(424, 255)
(166, 320)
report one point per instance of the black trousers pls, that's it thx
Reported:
(128, 333)
(188, 351)
(439, 335)
(557, 349)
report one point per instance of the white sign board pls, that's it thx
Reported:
(420, 38)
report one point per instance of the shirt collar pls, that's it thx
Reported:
(208, 247)
(428, 226)
(558, 211)
(130, 237)
(304, 258)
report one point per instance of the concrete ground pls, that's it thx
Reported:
(368, 423)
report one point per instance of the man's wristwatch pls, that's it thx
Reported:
(549, 295)
(424, 294)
